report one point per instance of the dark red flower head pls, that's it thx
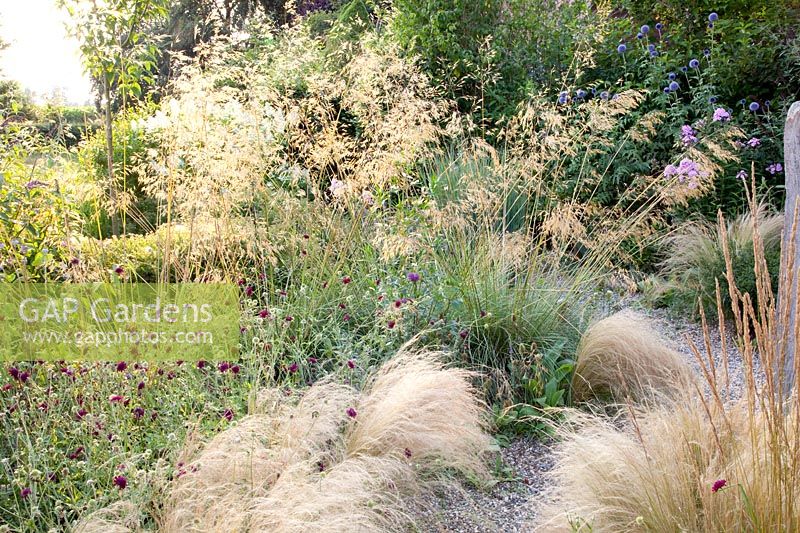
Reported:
(718, 484)
(120, 482)
(351, 412)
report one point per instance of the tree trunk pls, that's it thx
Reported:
(112, 187)
(787, 293)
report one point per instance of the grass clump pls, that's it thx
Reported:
(332, 458)
(622, 357)
(695, 260)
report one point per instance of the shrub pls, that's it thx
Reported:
(622, 358)
(695, 260)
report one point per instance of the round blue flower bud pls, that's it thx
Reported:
(684, 69)
(713, 17)
(594, 91)
(672, 75)
(651, 47)
(580, 93)
(674, 86)
(563, 94)
(712, 99)
(742, 101)
(767, 103)
(753, 106)
(653, 53)
(666, 90)
(706, 52)
(562, 99)
(640, 35)
(645, 28)
(659, 26)
(621, 48)
(604, 95)
(710, 24)
(694, 63)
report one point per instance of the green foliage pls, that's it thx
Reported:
(131, 158)
(695, 262)
(36, 216)
(488, 53)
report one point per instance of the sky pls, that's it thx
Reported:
(41, 56)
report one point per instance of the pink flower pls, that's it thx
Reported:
(351, 412)
(718, 484)
(351, 364)
(120, 482)
(293, 368)
(115, 398)
(754, 142)
(24, 493)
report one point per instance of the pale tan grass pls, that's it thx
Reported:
(309, 463)
(622, 357)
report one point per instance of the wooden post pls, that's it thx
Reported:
(787, 296)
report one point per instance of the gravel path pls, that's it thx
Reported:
(526, 463)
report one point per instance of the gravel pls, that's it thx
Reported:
(525, 465)
(522, 471)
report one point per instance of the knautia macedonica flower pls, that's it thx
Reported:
(351, 412)
(721, 115)
(120, 482)
(718, 484)
(413, 277)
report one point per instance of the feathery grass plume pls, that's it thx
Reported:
(704, 462)
(120, 517)
(622, 357)
(695, 259)
(661, 471)
(330, 458)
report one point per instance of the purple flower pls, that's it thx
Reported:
(653, 53)
(659, 26)
(293, 368)
(580, 93)
(351, 364)
(645, 29)
(754, 106)
(24, 493)
(694, 63)
(122, 366)
(351, 412)
(138, 413)
(754, 142)
(604, 95)
(718, 484)
(640, 35)
(248, 291)
(35, 184)
(706, 52)
(120, 482)
(463, 333)
(227, 414)
(674, 86)
(712, 99)
(622, 48)
(742, 175)
(413, 277)
(713, 17)
(775, 168)
(688, 136)
(721, 115)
